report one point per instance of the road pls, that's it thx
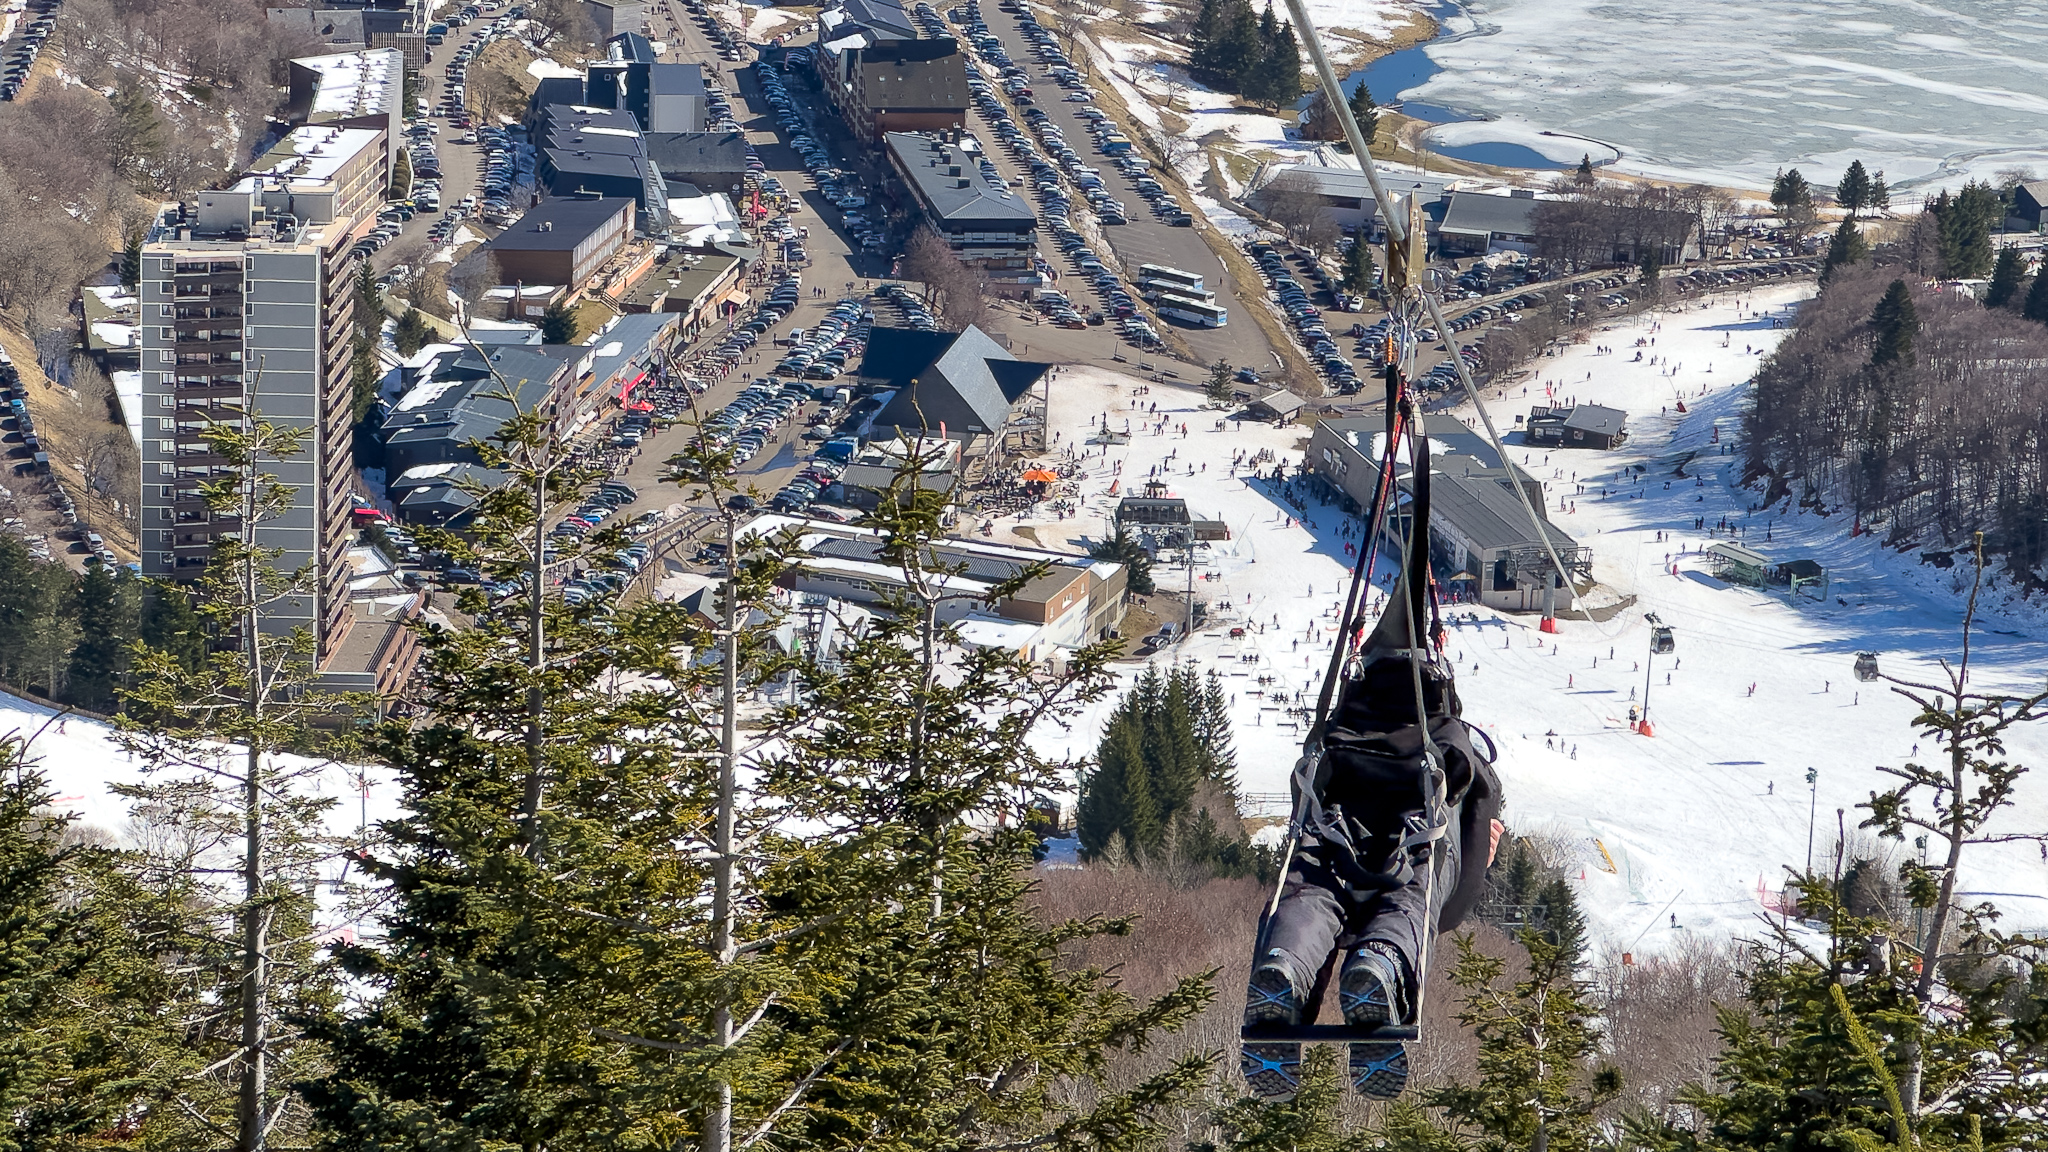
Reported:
(460, 163)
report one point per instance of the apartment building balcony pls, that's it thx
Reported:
(190, 358)
(204, 312)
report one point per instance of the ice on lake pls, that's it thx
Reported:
(1932, 92)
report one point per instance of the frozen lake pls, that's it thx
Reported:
(1931, 91)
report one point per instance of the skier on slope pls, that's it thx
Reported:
(1361, 880)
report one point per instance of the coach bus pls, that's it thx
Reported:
(1170, 277)
(1201, 313)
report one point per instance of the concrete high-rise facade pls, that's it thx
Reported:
(247, 304)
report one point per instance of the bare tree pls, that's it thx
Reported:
(1294, 203)
(559, 25)
(954, 289)
(110, 462)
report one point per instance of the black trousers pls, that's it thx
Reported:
(1319, 913)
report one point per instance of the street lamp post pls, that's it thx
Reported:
(1812, 810)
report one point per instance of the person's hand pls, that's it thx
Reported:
(1493, 841)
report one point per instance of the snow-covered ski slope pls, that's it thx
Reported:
(1706, 815)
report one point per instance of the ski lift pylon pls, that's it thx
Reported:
(1866, 665)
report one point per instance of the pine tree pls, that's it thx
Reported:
(2036, 306)
(171, 626)
(558, 324)
(1880, 194)
(1357, 272)
(1219, 388)
(1584, 173)
(1846, 248)
(1966, 220)
(1116, 801)
(1366, 112)
(369, 302)
(1202, 39)
(1895, 322)
(1212, 732)
(1792, 198)
(970, 1030)
(1123, 548)
(96, 1049)
(131, 259)
(1539, 1085)
(213, 740)
(2006, 276)
(1648, 269)
(1274, 80)
(109, 611)
(411, 333)
(1563, 924)
(1238, 48)
(1853, 192)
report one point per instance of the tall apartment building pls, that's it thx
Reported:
(246, 299)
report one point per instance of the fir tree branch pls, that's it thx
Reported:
(767, 1124)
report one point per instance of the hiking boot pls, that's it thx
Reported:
(1271, 1070)
(1372, 987)
(1271, 998)
(1374, 994)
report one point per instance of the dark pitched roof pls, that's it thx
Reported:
(968, 386)
(897, 82)
(1484, 511)
(1493, 215)
(895, 355)
(1599, 420)
(630, 47)
(879, 15)
(558, 225)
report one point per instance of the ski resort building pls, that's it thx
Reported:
(1577, 426)
(1074, 601)
(1481, 540)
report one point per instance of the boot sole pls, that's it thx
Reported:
(1379, 1071)
(1273, 1071)
(1269, 999)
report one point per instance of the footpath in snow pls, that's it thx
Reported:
(1697, 824)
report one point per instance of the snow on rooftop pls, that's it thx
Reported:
(421, 472)
(128, 389)
(546, 69)
(115, 335)
(425, 393)
(356, 83)
(312, 154)
(114, 296)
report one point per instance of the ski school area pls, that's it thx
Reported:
(1689, 831)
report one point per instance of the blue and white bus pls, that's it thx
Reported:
(1174, 277)
(1201, 313)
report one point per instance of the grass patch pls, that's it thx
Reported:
(592, 314)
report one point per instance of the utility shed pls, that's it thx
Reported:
(1577, 426)
(1738, 565)
(1804, 574)
(1279, 407)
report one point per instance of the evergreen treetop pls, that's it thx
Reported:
(1895, 322)
(1853, 192)
(2006, 276)
(2036, 306)
(1366, 112)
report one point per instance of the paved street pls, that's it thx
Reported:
(1146, 239)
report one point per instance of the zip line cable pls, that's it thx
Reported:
(1397, 234)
